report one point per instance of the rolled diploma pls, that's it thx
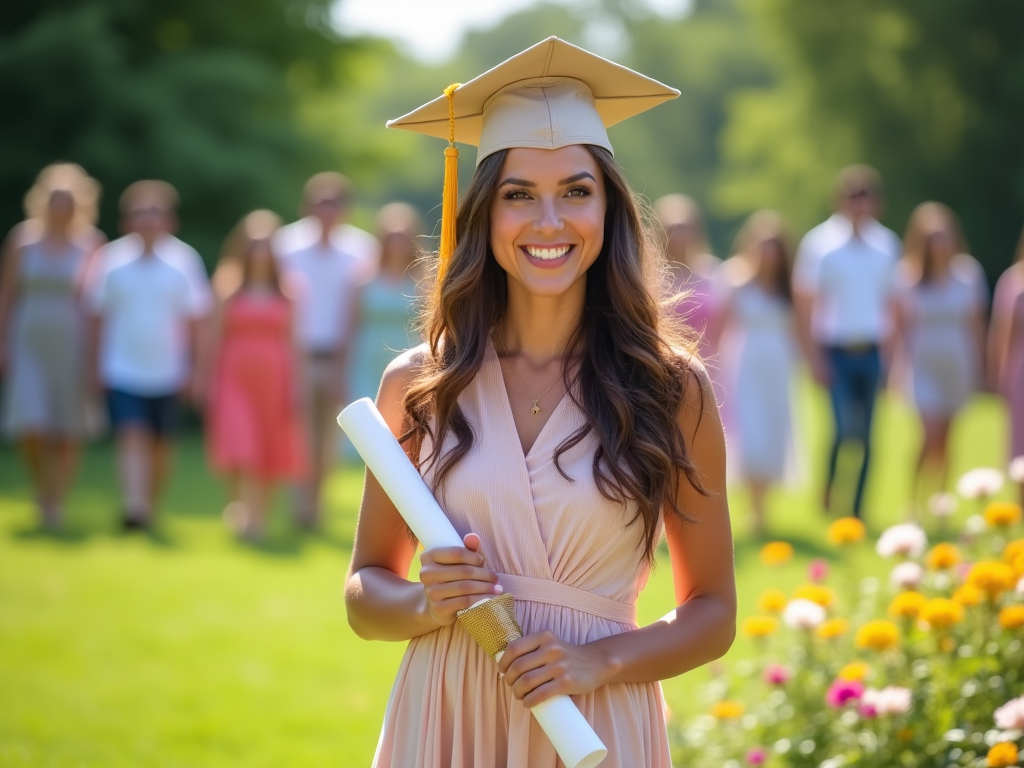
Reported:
(570, 733)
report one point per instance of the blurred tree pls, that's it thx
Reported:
(199, 93)
(932, 94)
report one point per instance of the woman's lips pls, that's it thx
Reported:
(547, 256)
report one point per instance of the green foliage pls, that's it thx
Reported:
(929, 93)
(193, 92)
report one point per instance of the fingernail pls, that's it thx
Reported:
(498, 589)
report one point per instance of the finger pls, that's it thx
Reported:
(451, 607)
(472, 542)
(532, 680)
(520, 656)
(452, 556)
(431, 573)
(452, 589)
(541, 694)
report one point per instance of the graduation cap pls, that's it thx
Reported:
(551, 95)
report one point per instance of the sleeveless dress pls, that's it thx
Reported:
(575, 568)
(758, 355)
(252, 421)
(942, 356)
(386, 314)
(1009, 303)
(45, 389)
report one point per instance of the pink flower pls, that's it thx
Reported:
(891, 700)
(756, 756)
(777, 674)
(867, 710)
(817, 571)
(842, 692)
(1010, 716)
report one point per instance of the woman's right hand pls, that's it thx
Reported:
(454, 578)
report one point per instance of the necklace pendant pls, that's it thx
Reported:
(535, 410)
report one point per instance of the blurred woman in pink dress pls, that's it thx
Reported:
(940, 332)
(1006, 348)
(253, 427)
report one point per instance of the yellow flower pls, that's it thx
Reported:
(941, 614)
(1002, 755)
(968, 596)
(942, 556)
(1002, 514)
(760, 626)
(1012, 617)
(772, 601)
(991, 577)
(832, 628)
(846, 530)
(1013, 550)
(1018, 566)
(726, 710)
(879, 635)
(855, 670)
(816, 593)
(907, 605)
(776, 553)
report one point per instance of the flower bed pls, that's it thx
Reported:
(923, 666)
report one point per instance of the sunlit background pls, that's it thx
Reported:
(188, 649)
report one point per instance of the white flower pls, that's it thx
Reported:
(979, 483)
(906, 540)
(942, 504)
(1010, 716)
(1016, 470)
(975, 524)
(906, 576)
(803, 614)
(891, 700)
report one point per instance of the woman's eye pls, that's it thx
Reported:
(578, 192)
(516, 194)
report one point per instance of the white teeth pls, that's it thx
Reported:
(547, 254)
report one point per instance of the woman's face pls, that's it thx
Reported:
(547, 218)
(769, 258)
(397, 253)
(61, 207)
(261, 265)
(940, 246)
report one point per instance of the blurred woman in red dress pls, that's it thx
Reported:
(252, 427)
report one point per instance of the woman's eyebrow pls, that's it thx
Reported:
(577, 177)
(517, 182)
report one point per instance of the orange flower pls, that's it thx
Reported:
(1002, 514)
(941, 614)
(816, 593)
(1013, 550)
(772, 601)
(907, 605)
(855, 670)
(1012, 617)
(776, 553)
(832, 629)
(879, 635)
(942, 556)
(968, 596)
(991, 577)
(1002, 755)
(760, 626)
(727, 710)
(846, 530)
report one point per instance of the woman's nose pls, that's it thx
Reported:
(548, 219)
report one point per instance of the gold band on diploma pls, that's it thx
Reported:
(492, 624)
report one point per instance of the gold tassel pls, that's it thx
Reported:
(450, 197)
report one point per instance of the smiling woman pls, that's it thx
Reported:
(560, 497)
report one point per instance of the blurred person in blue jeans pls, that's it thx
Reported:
(143, 340)
(42, 330)
(844, 287)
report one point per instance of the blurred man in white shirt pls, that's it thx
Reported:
(843, 284)
(325, 278)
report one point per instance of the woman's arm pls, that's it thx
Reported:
(11, 255)
(699, 630)
(999, 330)
(207, 349)
(382, 603)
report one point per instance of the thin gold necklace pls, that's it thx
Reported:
(535, 408)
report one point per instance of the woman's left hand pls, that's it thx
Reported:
(542, 665)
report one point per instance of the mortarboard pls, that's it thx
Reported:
(551, 95)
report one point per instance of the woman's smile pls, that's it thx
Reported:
(548, 256)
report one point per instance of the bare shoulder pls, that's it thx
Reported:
(398, 377)
(698, 392)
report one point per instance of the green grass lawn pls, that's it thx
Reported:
(187, 649)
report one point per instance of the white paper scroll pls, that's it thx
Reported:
(573, 738)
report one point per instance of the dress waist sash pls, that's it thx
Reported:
(557, 593)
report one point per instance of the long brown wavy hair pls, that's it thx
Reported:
(633, 361)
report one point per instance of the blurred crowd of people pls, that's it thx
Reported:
(298, 319)
(294, 321)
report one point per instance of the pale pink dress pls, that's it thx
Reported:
(575, 567)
